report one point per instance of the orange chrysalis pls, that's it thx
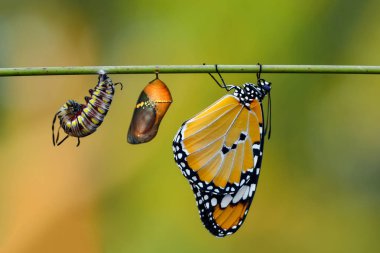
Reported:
(151, 107)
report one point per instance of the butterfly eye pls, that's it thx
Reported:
(79, 120)
(151, 106)
(266, 87)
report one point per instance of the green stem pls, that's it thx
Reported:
(181, 69)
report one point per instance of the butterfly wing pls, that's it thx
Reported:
(219, 149)
(224, 214)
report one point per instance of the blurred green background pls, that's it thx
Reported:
(319, 190)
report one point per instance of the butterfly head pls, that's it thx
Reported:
(263, 87)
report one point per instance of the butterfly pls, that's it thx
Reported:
(220, 151)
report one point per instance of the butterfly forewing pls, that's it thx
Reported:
(214, 149)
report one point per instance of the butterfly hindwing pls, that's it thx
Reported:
(224, 214)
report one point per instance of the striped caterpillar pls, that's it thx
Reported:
(79, 120)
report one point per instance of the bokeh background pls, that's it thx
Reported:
(319, 190)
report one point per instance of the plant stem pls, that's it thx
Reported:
(181, 69)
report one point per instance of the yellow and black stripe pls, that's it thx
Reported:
(79, 120)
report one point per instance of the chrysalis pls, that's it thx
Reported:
(150, 108)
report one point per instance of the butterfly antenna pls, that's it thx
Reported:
(269, 116)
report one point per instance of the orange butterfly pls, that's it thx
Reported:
(220, 152)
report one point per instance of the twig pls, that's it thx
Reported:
(182, 69)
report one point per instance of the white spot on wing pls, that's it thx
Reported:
(246, 193)
(252, 189)
(214, 202)
(256, 146)
(240, 194)
(225, 201)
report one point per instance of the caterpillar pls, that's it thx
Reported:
(80, 120)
